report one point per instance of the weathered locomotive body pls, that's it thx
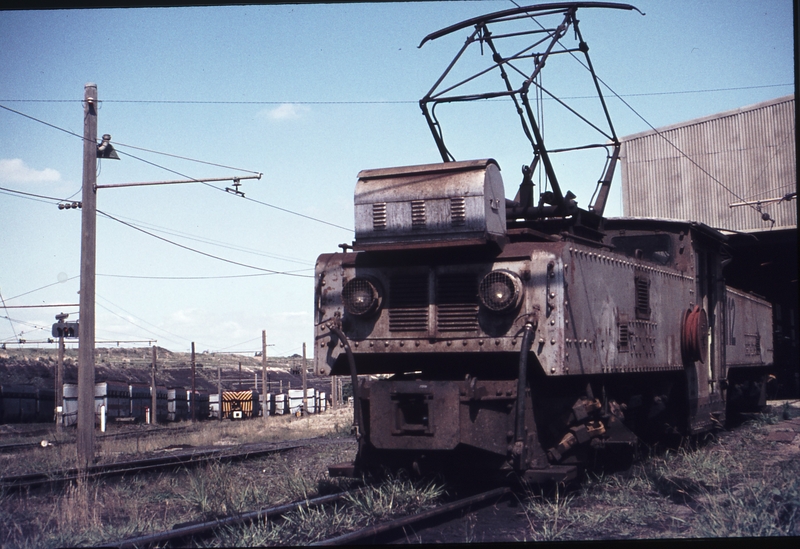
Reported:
(520, 344)
(487, 333)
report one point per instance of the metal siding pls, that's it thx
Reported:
(751, 151)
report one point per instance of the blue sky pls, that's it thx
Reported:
(308, 95)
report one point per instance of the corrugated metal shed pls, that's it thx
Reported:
(695, 170)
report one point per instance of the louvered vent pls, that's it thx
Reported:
(642, 284)
(457, 303)
(379, 216)
(458, 211)
(624, 338)
(418, 219)
(408, 303)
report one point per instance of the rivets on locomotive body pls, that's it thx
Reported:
(449, 343)
(480, 342)
(416, 343)
(497, 342)
(371, 343)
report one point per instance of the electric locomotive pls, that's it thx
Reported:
(490, 334)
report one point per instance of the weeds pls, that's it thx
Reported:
(724, 488)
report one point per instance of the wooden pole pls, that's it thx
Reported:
(153, 395)
(194, 394)
(305, 396)
(264, 387)
(219, 389)
(86, 354)
(60, 385)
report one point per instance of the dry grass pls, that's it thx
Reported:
(96, 512)
(736, 485)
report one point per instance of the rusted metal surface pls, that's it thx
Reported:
(442, 203)
(522, 342)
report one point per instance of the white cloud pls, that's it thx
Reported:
(286, 111)
(14, 170)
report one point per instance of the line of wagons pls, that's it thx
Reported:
(125, 402)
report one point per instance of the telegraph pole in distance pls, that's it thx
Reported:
(264, 387)
(153, 395)
(305, 386)
(60, 378)
(194, 394)
(86, 355)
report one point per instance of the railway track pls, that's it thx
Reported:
(183, 532)
(53, 479)
(71, 440)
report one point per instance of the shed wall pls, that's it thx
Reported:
(743, 155)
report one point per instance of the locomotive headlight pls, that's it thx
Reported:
(361, 297)
(500, 291)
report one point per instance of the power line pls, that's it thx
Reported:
(364, 102)
(270, 271)
(188, 236)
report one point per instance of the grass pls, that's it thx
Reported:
(394, 497)
(720, 488)
(93, 512)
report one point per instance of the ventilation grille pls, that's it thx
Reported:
(418, 220)
(458, 211)
(408, 303)
(624, 338)
(457, 303)
(642, 285)
(379, 216)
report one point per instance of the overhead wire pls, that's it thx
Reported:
(377, 102)
(212, 256)
(179, 173)
(634, 111)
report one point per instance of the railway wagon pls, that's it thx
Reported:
(139, 400)
(18, 404)
(298, 404)
(115, 396)
(281, 404)
(240, 404)
(69, 414)
(45, 405)
(483, 333)
(201, 400)
(162, 403)
(178, 404)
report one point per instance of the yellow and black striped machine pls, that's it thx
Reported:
(240, 404)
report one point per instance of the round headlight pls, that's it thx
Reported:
(500, 291)
(360, 297)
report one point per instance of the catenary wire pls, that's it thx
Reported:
(383, 102)
(179, 173)
(270, 271)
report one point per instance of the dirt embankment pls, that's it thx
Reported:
(37, 367)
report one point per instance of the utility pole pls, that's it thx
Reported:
(219, 390)
(86, 356)
(153, 401)
(194, 393)
(264, 387)
(305, 395)
(60, 379)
